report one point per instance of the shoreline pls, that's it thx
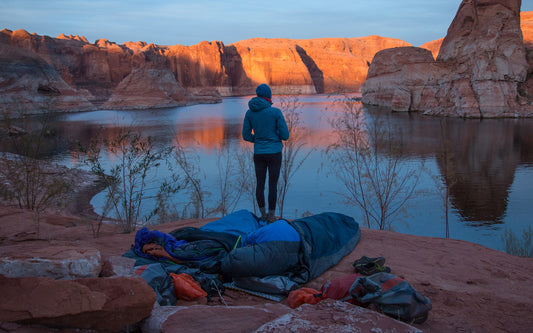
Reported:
(76, 201)
(80, 205)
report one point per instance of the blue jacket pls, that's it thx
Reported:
(268, 125)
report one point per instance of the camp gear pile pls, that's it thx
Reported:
(246, 251)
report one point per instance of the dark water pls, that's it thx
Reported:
(489, 161)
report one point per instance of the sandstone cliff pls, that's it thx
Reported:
(306, 66)
(76, 75)
(480, 71)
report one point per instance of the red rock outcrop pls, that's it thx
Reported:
(433, 46)
(200, 68)
(327, 65)
(68, 73)
(526, 23)
(479, 72)
(27, 82)
(102, 304)
(326, 316)
(140, 75)
(147, 88)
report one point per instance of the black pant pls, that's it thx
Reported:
(272, 163)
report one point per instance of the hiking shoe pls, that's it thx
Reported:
(371, 268)
(364, 260)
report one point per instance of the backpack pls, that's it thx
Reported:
(393, 296)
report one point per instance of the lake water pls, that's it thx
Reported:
(491, 162)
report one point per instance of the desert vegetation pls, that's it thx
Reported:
(127, 180)
(377, 181)
(26, 179)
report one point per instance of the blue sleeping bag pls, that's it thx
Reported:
(279, 230)
(239, 223)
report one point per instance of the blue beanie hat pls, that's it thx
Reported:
(263, 90)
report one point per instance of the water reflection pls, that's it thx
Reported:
(484, 160)
(483, 155)
(210, 133)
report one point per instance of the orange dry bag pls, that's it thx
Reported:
(187, 288)
(304, 295)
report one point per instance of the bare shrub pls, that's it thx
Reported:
(126, 180)
(246, 173)
(25, 178)
(367, 161)
(293, 154)
(231, 185)
(187, 161)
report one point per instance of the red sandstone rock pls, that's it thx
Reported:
(28, 83)
(479, 72)
(103, 304)
(201, 67)
(335, 316)
(433, 46)
(147, 88)
(326, 316)
(327, 65)
(88, 74)
(526, 23)
(392, 75)
(107, 75)
(218, 318)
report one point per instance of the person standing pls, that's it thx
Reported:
(265, 127)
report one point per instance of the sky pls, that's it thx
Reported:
(171, 22)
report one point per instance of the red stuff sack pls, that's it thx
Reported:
(304, 296)
(339, 289)
(187, 288)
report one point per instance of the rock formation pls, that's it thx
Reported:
(327, 65)
(526, 24)
(433, 46)
(101, 304)
(480, 72)
(27, 82)
(68, 73)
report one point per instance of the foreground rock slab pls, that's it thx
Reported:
(57, 262)
(326, 316)
(102, 304)
(335, 316)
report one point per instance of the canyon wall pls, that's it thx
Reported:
(481, 70)
(68, 73)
